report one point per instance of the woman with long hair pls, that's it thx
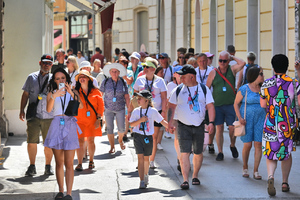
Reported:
(72, 68)
(89, 116)
(254, 118)
(62, 135)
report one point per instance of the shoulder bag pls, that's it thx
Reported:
(72, 109)
(296, 136)
(239, 129)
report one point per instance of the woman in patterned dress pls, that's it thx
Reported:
(277, 96)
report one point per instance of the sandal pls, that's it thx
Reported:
(271, 188)
(245, 173)
(79, 167)
(122, 145)
(195, 181)
(285, 189)
(185, 185)
(112, 150)
(59, 195)
(256, 176)
(91, 165)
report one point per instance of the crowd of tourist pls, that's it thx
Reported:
(150, 97)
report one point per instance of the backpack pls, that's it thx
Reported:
(248, 66)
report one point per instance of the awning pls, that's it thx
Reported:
(106, 9)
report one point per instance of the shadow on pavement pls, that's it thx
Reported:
(107, 156)
(136, 174)
(168, 193)
(27, 180)
(84, 172)
(31, 196)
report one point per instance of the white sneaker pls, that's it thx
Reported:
(142, 185)
(159, 147)
(167, 135)
(152, 165)
(146, 178)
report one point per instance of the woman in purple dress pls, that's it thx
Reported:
(277, 96)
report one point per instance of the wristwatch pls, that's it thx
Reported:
(212, 122)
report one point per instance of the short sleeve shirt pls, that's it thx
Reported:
(156, 88)
(170, 88)
(152, 114)
(191, 104)
(203, 75)
(33, 85)
(114, 94)
(168, 74)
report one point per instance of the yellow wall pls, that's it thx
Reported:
(221, 25)
(240, 28)
(291, 35)
(205, 26)
(193, 8)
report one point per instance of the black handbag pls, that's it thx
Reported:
(72, 109)
(296, 136)
(31, 110)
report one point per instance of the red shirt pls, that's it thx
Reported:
(98, 56)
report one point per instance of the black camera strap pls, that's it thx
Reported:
(143, 123)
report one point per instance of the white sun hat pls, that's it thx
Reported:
(119, 67)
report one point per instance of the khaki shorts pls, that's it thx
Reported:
(34, 127)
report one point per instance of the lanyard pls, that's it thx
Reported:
(165, 72)
(222, 73)
(63, 103)
(202, 80)
(150, 87)
(143, 123)
(44, 84)
(191, 94)
(72, 75)
(115, 87)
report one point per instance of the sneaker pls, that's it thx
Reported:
(159, 147)
(30, 171)
(142, 185)
(167, 135)
(146, 177)
(152, 165)
(48, 170)
(234, 152)
(211, 149)
(220, 157)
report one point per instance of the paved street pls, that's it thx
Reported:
(115, 176)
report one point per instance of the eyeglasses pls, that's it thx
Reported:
(160, 57)
(47, 63)
(181, 57)
(223, 61)
(261, 73)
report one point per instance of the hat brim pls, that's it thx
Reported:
(132, 56)
(117, 66)
(140, 95)
(47, 60)
(77, 77)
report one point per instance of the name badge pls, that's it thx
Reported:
(224, 89)
(40, 97)
(88, 113)
(62, 121)
(114, 99)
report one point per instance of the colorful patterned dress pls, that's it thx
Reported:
(281, 119)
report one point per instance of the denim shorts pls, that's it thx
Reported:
(109, 120)
(190, 136)
(225, 113)
(140, 145)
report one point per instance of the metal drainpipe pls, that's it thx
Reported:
(158, 27)
(94, 40)
(189, 25)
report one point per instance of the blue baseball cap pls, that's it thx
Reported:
(165, 55)
(177, 68)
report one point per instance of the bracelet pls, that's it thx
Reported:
(212, 122)
(52, 97)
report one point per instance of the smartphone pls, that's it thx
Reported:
(61, 85)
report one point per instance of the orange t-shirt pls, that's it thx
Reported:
(85, 122)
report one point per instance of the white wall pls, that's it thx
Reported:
(25, 39)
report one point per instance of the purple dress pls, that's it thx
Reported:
(280, 120)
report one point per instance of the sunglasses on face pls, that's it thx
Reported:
(223, 61)
(47, 63)
(67, 62)
(261, 73)
(160, 57)
(147, 67)
(181, 57)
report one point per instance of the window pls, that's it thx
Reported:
(79, 26)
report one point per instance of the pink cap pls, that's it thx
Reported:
(209, 54)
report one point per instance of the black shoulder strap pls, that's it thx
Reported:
(203, 89)
(123, 81)
(178, 89)
(105, 81)
(87, 100)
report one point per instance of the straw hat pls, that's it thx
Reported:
(84, 72)
(119, 67)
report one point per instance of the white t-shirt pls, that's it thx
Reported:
(233, 62)
(152, 114)
(158, 86)
(79, 60)
(168, 74)
(170, 88)
(72, 76)
(202, 77)
(191, 110)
